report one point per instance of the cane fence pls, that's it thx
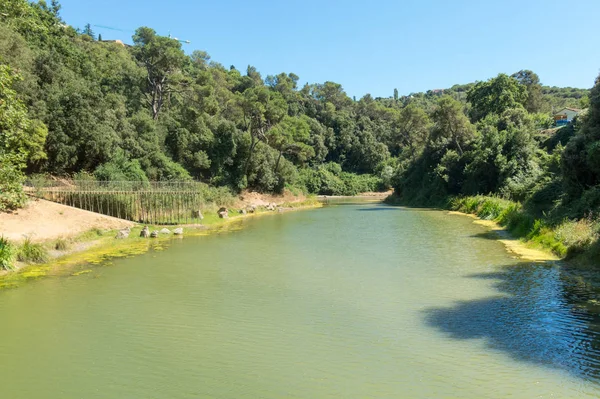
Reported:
(162, 203)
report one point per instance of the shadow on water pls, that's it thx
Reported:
(487, 235)
(380, 208)
(544, 313)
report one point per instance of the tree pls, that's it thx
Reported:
(451, 125)
(531, 81)
(262, 109)
(396, 95)
(21, 138)
(21, 141)
(496, 96)
(87, 31)
(163, 58)
(291, 137)
(411, 129)
(581, 157)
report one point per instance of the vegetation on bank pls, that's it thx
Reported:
(73, 248)
(73, 104)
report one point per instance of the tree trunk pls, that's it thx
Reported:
(277, 163)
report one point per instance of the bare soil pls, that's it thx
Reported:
(42, 220)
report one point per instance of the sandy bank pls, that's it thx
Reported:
(42, 220)
(92, 236)
(513, 245)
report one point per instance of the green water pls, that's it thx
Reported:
(349, 301)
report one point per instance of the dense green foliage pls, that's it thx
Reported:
(545, 183)
(72, 104)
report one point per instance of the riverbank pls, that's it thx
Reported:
(99, 243)
(526, 236)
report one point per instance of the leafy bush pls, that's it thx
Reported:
(220, 196)
(7, 254)
(120, 168)
(11, 186)
(328, 179)
(31, 252)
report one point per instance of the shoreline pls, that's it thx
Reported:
(93, 247)
(513, 245)
(524, 250)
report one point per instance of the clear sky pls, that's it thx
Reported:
(372, 46)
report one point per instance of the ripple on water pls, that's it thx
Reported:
(337, 303)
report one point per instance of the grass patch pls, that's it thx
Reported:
(62, 244)
(30, 252)
(567, 239)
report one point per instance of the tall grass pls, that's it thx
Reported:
(566, 239)
(143, 202)
(31, 252)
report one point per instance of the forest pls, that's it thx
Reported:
(74, 105)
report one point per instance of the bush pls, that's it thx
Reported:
(120, 168)
(12, 196)
(7, 254)
(220, 196)
(328, 179)
(32, 253)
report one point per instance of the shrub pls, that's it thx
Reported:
(32, 252)
(11, 186)
(7, 254)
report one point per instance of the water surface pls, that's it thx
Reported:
(350, 301)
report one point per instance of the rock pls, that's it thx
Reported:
(154, 234)
(251, 208)
(178, 231)
(145, 233)
(165, 231)
(243, 211)
(280, 210)
(223, 213)
(271, 207)
(122, 234)
(197, 215)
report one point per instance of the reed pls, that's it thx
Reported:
(158, 203)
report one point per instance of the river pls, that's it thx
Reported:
(349, 301)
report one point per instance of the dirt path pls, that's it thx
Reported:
(43, 221)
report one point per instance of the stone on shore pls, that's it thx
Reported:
(123, 234)
(223, 213)
(145, 233)
(165, 231)
(178, 231)
(197, 215)
(154, 234)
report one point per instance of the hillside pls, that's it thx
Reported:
(73, 105)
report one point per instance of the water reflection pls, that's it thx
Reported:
(545, 313)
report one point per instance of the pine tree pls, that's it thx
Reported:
(88, 31)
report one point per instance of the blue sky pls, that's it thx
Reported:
(372, 46)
